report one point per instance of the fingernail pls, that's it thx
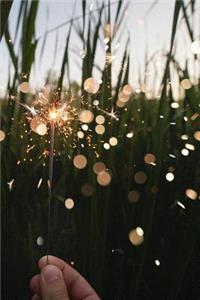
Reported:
(51, 274)
(35, 297)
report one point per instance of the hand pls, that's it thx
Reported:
(59, 281)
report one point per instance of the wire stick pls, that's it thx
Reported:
(50, 181)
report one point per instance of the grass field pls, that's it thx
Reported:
(157, 193)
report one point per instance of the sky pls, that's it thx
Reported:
(148, 29)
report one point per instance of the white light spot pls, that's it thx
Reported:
(69, 203)
(190, 147)
(185, 152)
(85, 127)
(157, 262)
(169, 176)
(130, 135)
(181, 204)
(40, 241)
(106, 146)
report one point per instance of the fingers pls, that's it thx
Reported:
(52, 260)
(78, 287)
(35, 297)
(34, 284)
(52, 284)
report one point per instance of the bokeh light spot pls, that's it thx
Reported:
(87, 190)
(2, 135)
(140, 177)
(99, 167)
(100, 129)
(170, 176)
(104, 178)
(69, 203)
(133, 196)
(91, 85)
(100, 119)
(192, 194)
(136, 236)
(149, 158)
(80, 161)
(24, 87)
(86, 116)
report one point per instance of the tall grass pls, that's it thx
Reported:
(100, 223)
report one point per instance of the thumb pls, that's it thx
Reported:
(52, 285)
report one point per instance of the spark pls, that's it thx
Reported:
(30, 109)
(10, 184)
(111, 114)
(39, 183)
(181, 204)
(157, 262)
(45, 153)
(30, 148)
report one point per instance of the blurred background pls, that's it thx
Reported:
(126, 189)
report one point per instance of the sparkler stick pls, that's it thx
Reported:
(50, 182)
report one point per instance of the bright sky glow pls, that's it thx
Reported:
(149, 29)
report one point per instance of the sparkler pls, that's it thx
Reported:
(55, 113)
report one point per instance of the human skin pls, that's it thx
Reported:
(59, 281)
